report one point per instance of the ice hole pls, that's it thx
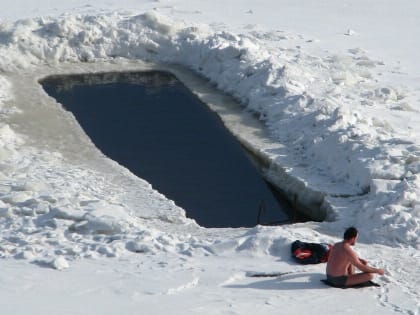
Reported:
(156, 127)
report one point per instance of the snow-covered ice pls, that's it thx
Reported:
(335, 89)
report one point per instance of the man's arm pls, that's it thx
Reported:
(361, 264)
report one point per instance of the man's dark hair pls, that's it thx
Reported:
(350, 233)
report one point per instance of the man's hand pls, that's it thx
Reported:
(380, 271)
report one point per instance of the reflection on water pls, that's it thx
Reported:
(152, 79)
(153, 125)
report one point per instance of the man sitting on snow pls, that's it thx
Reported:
(343, 260)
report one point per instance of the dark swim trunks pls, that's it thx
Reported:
(337, 281)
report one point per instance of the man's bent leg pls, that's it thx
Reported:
(358, 278)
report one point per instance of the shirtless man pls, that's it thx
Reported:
(343, 260)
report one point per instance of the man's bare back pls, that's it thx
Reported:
(343, 260)
(339, 260)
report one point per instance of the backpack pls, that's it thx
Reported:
(310, 253)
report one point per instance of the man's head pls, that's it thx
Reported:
(350, 235)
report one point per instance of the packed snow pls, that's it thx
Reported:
(328, 98)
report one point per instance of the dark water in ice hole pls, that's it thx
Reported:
(153, 125)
